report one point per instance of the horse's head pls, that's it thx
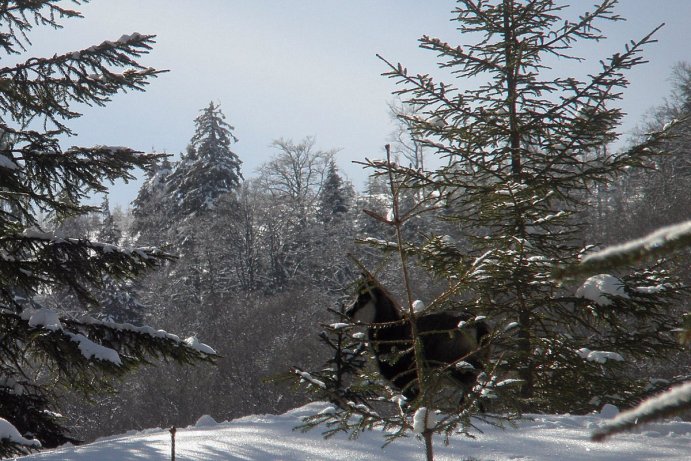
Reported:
(364, 309)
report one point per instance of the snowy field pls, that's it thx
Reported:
(268, 437)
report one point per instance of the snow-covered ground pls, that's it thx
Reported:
(268, 437)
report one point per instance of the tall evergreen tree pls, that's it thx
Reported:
(519, 152)
(43, 350)
(521, 149)
(210, 168)
(109, 231)
(334, 198)
(151, 211)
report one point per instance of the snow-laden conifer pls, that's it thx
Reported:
(209, 169)
(43, 350)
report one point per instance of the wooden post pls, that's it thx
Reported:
(172, 445)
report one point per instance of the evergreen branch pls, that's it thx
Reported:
(19, 17)
(86, 353)
(663, 241)
(45, 87)
(349, 404)
(581, 28)
(672, 402)
(58, 181)
(608, 78)
(142, 343)
(471, 64)
(410, 178)
(424, 84)
(10, 447)
(42, 352)
(68, 262)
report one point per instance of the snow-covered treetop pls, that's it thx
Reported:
(211, 130)
(209, 170)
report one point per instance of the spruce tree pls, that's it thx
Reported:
(210, 168)
(362, 398)
(150, 210)
(333, 197)
(42, 349)
(109, 231)
(521, 152)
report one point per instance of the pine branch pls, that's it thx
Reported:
(669, 403)
(58, 181)
(661, 242)
(45, 88)
(17, 18)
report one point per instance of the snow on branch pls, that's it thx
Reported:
(670, 402)
(10, 434)
(192, 343)
(91, 350)
(602, 289)
(662, 241)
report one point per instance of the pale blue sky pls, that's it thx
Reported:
(308, 68)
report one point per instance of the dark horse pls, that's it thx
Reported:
(448, 347)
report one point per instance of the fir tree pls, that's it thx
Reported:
(210, 169)
(180, 209)
(109, 231)
(363, 398)
(151, 211)
(333, 198)
(43, 350)
(521, 150)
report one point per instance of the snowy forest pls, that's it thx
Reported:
(487, 199)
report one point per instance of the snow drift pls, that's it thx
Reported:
(268, 437)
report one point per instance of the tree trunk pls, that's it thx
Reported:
(429, 449)
(526, 371)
